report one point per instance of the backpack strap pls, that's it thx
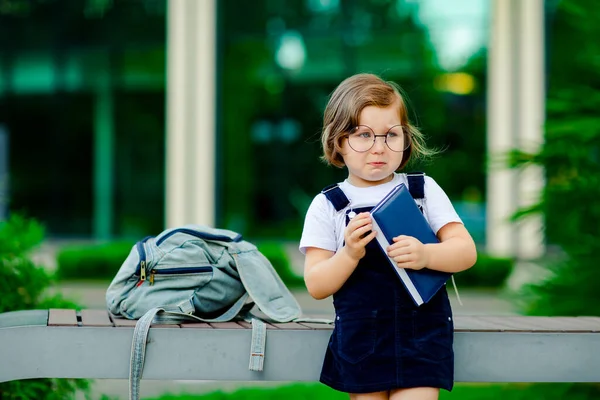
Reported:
(140, 339)
(336, 196)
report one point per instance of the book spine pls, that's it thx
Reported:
(383, 243)
(387, 196)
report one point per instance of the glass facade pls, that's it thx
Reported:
(82, 103)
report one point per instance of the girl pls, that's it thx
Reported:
(383, 345)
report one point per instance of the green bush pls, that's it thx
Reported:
(96, 261)
(24, 286)
(487, 272)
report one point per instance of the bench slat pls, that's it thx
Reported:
(575, 324)
(248, 325)
(290, 325)
(313, 325)
(541, 324)
(473, 323)
(122, 322)
(165, 326)
(195, 325)
(95, 318)
(226, 325)
(62, 317)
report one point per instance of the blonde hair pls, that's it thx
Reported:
(347, 102)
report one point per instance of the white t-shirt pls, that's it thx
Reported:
(324, 227)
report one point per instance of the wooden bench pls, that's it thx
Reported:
(93, 344)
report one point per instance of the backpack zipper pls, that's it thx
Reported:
(201, 235)
(175, 271)
(141, 268)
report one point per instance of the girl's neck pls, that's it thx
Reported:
(363, 183)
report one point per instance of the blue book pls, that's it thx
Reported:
(398, 214)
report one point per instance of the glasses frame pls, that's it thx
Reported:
(375, 136)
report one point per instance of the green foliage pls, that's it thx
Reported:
(23, 286)
(22, 283)
(571, 158)
(480, 391)
(19, 235)
(49, 389)
(487, 272)
(95, 261)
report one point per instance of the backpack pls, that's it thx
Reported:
(198, 273)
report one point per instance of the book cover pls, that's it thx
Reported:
(398, 214)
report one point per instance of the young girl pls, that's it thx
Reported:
(383, 345)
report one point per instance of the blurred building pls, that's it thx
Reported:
(123, 118)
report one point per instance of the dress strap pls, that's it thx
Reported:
(416, 184)
(336, 196)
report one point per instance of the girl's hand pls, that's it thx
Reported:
(357, 234)
(408, 252)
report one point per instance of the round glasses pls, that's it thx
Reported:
(362, 138)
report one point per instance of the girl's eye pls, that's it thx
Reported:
(364, 135)
(392, 135)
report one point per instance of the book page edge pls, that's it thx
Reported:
(383, 243)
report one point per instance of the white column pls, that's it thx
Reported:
(501, 84)
(191, 94)
(531, 122)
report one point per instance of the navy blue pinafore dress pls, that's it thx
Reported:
(382, 340)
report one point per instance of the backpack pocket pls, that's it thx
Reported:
(166, 286)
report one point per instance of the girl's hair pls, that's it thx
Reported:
(347, 102)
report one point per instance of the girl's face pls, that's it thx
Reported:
(376, 165)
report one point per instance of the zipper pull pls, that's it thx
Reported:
(151, 277)
(142, 270)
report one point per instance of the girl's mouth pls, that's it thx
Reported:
(377, 164)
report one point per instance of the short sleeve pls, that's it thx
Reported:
(438, 208)
(319, 226)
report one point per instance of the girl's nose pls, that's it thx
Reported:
(379, 145)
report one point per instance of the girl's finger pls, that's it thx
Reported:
(360, 222)
(401, 239)
(363, 229)
(402, 260)
(368, 238)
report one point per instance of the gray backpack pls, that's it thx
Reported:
(197, 273)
